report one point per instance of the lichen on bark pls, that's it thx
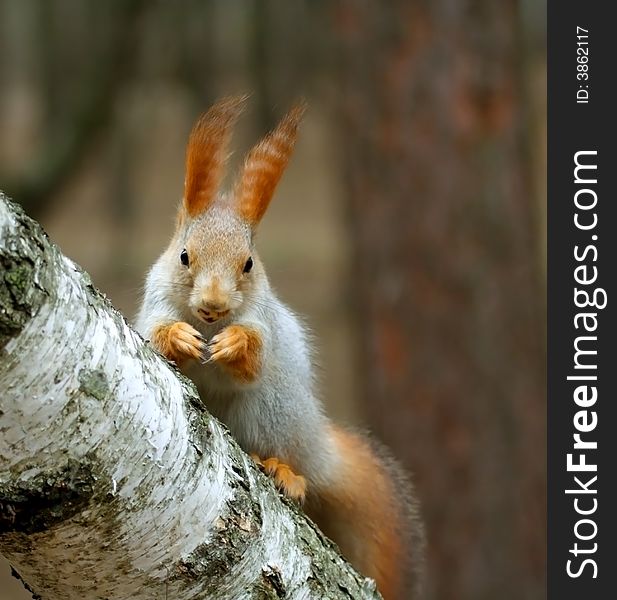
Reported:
(20, 290)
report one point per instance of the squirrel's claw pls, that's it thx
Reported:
(292, 485)
(228, 345)
(257, 460)
(206, 354)
(179, 342)
(238, 349)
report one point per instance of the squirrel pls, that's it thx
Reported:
(209, 308)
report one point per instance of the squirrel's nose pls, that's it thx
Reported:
(214, 306)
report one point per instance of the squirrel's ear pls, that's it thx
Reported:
(206, 153)
(264, 167)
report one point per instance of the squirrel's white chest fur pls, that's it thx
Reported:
(272, 414)
(276, 415)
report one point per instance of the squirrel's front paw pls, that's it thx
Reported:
(179, 342)
(238, 349)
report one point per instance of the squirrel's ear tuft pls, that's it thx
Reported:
(206, 153)
(264, 167)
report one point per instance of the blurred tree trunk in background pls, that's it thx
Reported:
(446, 247)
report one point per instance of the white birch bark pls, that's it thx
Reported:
(114, 480)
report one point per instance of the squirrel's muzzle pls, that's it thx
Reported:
(210, 316)
(214, 302)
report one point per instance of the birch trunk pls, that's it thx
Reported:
(114, 480)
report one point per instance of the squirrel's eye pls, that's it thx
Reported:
(248, 266)
(184, 258)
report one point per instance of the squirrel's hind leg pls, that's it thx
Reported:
(292, 485)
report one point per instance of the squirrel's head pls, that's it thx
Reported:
(215, 259)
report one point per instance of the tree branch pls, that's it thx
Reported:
(114, 480)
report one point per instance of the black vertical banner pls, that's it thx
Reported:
(582, 256)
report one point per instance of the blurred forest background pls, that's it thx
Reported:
(409, 229)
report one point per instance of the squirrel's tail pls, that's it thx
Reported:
(372, 513)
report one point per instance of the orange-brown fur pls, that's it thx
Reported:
(238, 349)
(206, 153)
(178, 342)
(292, 485)
(353, 490)
(361, 512)
(264, 167)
